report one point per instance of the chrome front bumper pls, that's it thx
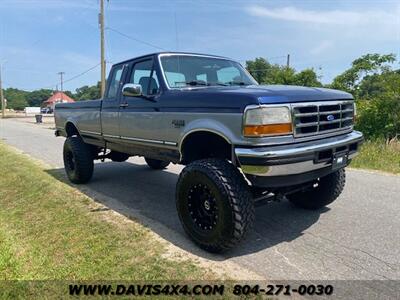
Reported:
(299, 158)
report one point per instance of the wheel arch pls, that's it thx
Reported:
(71, 129)
(208, 125)
(193, 145)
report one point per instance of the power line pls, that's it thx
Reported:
(64, 81)
(135, 39)
(81, 74)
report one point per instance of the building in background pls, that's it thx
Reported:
(58, 97)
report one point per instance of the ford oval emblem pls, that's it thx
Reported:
(330, 117)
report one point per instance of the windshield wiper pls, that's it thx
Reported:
(193, 82)
(237, 83)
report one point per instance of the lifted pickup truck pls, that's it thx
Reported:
(242, 143)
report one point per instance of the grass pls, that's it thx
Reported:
(379, 155)
(51, 231)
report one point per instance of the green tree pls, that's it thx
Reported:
(307, 77)
(385, 84)
(266, 73)
(69, 94)
(379, 105)
(367, 64)
(258, 68)
(87, 92)
(379, 118)
(280, 75)
(36, 98)
(19, 103)
(16, 99)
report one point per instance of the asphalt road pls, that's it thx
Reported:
(357, 237)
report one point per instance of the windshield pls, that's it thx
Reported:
(185, 70)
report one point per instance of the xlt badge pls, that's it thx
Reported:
(178, 123)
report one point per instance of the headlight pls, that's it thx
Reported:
(265, 121)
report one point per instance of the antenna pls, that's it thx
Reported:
(176, 32)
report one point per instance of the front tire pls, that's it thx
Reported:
(156, 164)
(214, 204)
(328, 189)
(78, 160)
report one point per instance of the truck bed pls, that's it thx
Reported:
(85, 115)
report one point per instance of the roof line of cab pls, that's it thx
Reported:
(169, 52)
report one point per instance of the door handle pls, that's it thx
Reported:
(123, 105)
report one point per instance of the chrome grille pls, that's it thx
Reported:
(322, 117)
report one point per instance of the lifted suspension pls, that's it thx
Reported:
(262, 196)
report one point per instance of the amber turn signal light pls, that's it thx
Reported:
(269, 129)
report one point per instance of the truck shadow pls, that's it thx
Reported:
(140, 193)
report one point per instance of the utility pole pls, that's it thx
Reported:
(288, 61)
(61, 81)
(3, 103)
(102, 55)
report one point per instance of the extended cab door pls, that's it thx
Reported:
(110, 104)
(139, 120)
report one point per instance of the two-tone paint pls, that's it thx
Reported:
(159, 126)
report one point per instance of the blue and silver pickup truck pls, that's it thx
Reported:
(241, 143)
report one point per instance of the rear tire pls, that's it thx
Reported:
(78, 160)
(214, 204)
(328, 189)
(156, 164)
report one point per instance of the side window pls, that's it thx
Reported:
(144, 74)
(114, 82)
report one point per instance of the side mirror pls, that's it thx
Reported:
(132, 90)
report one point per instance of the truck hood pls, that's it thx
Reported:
(284, 93)
(271, 94)
(236, 98)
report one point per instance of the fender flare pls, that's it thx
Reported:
(206, 125)
(71, 121)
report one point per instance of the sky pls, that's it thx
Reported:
(39, 38)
